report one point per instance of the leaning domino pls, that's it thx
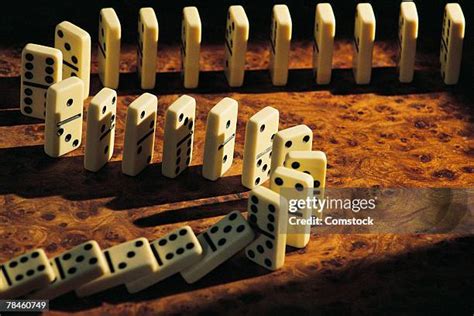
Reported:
(147, 45)
(451, 43)
(280, 40)
(236, 37)
(190, 46)
(109, 48)
(323, 42)
(364, 37)
(407, 37)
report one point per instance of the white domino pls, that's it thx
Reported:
(219, 243)
(41, 66)
(101, 120)
(139, 134)
(178, 136)
(407, 37)
(294, 185)
(259, 134)
(298, 137)
(280, 40)
(236, 37)
(451, 43)
(323, 42)
(364, 38)
(268, 212)
(108, 54)
(190, 46)
(72, 269)
(64, 111)
(147, 45)
(75, 44)
(174, 252)
(125, 262)
(24, 274)
(220, 139)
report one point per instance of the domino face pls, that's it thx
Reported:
(268, 213)
(190, 46)
(364, 37)
(323, 43)
(101, 120)
(72, 269)
(280, 40)
(126, 262)
(292, 184)
(147, 45)
(220, 139)
(24, 274)
(41, 66)
(236, 37)
(174, 252)
(109, 48)
(407, 37)
(179, 136)
(259, 134)
(64, 111)
(451, 43)
(75, 44)
(298, 137)
(219, 243)
(139, 134)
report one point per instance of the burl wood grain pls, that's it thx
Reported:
(382, 135)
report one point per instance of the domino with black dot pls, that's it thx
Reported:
(452, 39)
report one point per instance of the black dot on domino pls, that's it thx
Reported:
(240, 228)
(214, 229)
(29, 66)
(251, 254)
(80, 258)
(69, 102)
(49, 61)
(183, 232)
(268, 262)
(233, 216)
(227, 125)
(317, 183)
(71, 270)
(262, 128)
(35, 254)
(24, 259)
(130, 254)
(67, 46)
(180, 118)
(257, 181)
(225, 159)
(48, 79)
(162, 242)
(222, 242)
(142, 115)
(269, 244)
(278, 181)
(30, 272)
(271, 218)
(271, 208)
(260, 249)
(253, 218)
(152, 123)
(273, 136)
(259, 163)
(173, 237)
(19, 277)
(28, 75)
(29, 57)
(28, 101)
(254, 199)
(288, 144)
(295, 165)
(27, 110)
(169, 256)
(93, 260)
(190, 245)
(227, 229)
(190, 125)
(306, 139)
(139, 243)
(254, 208)
(74, 59)
(60, 33)
(122, 265)
(41, 267)
(113, 100)
(299, 187)
(28, 91)
(270, 227)
(75, 143)
(49, 70)
(180, 251)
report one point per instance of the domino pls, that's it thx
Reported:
(364, 37)
(100, 138)
(220, 139)
(259, 134)
(323, 43)
(268, 214)
(63, 124)
(292, 184)
(108, 55)
(178, 136)
(24, 274)
(190, 46)
(280, 40)
(219, 243)
(126, 262)
(236, 37)
(139, 134)
(41, 66)
(407, 38)
(72, 269)
(298, 137)
(75, 44)
(451, 43)
(174, 252)
(147, 45)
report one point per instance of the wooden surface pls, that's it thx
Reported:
(382, 135)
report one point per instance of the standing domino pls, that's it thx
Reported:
(220, 139)
(294, 185)
(126, 262)
(63, 124)
(139, 134)
(25, 273)
(72, 269)
(236, 37)
(147, 45)
(75, 44)
(451, 43)
(259, 134)
(190, 46)
(41, 66)
(174, 252)
(268, 211)
(407, 37)
(100, 129)
(364, 37)
(179, 136)
(280, 40)
(109, 48)
(298, 137)
(219, 243)
(323, 42)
